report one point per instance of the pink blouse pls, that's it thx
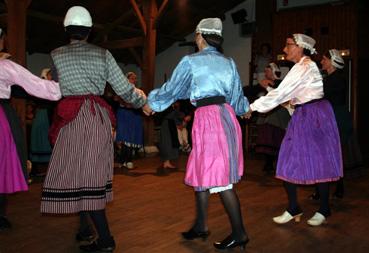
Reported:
(12, 73)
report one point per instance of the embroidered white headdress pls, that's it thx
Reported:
(336, 59)
(305, 41)
(210, 26)
(275, 69)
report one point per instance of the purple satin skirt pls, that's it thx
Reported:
(311, 152)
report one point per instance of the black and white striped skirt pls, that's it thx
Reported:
(80, 172)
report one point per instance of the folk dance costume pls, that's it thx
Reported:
(12, 177)
(215, 89)
(12, 145)
(80, 173)
(335, 90)
(129, 131)
(310, 152)
(212, 84)
(81, 167)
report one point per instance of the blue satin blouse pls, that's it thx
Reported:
(204, 74)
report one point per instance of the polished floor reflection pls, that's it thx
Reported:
(150, 210)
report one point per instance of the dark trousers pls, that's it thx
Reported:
(100, 222)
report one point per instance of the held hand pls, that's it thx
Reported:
(265, 83)
(4, 56)
(147, 110)
(247, 115)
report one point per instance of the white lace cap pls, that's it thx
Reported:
(305, 41)
(210, 26)
(336, 59)
(275, 69)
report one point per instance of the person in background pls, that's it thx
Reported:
(262, 59)
(310, 152)
(40, 147)
(183, 134)
(129, 132)
(212, 83)
(13, 173)
(335, 91)
(271, 126)
(80, 173)
(169, 142)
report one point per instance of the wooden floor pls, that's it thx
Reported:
(149, 212)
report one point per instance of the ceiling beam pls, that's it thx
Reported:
(120, 44)
(59, 20)
(139, 16)
(161, 10)
(111, 26)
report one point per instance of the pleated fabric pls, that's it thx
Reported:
(80, 172)
(11, 175)
(216, 158)
(310, 152)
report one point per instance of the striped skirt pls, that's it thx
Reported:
(216, 158)
(11, 175)
(80, 172)
(310, 152)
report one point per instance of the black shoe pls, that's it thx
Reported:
(84, 238)
(193, 234)
(229, 243)
(4, 223)
(97, 246)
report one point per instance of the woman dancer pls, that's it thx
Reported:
(310, 152)
(211, 82)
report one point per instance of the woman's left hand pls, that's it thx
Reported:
(4, 55)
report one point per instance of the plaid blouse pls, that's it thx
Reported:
(84, 69)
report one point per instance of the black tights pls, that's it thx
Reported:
(293, 207)
(231, 205)
(2, 205)
(125, 154)
(340, 189)
(100, 222)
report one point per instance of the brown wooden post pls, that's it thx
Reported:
(150, 11)
(16, 42)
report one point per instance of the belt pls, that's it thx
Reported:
(216, 100)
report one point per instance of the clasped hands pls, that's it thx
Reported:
(247, 115)
(147, 110)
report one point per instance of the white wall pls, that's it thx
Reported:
(235, 46)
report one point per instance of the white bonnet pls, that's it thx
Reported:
(305, 41)
(336, 59)
(210, 26)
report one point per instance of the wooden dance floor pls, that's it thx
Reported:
(150, 211)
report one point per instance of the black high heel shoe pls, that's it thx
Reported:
(193, 234)
(230, 243)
